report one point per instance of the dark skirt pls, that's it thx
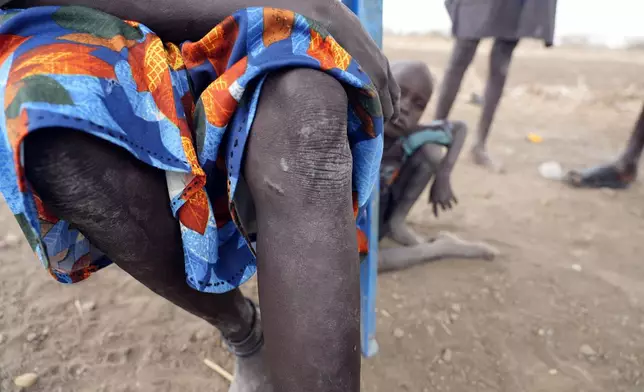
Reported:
(506, 19)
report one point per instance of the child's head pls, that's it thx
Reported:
(416, 87)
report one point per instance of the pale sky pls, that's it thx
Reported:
(608, 22)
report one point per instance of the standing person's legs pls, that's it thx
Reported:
(462, 55)
(500, 59)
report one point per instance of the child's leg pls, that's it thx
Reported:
(462, 55)
(500, 60)
(413, 178)
(298, 166)
(444, 246)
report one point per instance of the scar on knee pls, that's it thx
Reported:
(284, 164)
(275, 187)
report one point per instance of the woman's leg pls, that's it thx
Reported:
(500, 60)
(462, 55)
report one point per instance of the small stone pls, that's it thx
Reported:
(399, 333)
(88, 306)
(201, 335)
(456, 308)
(453, 317)
(396, 296)
(431, 330)
(183, 348)
(45, 331)
(3, 338)
(446, 355)
(541, 332)
(553, 372)
(384, 313)
(31, 336)
(26, 380)
(587, 351)
(9, 241)
(576, 267)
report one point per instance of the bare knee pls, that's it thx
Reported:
(298, 146)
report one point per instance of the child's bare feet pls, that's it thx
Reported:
(453, 246)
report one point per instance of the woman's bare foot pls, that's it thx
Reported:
(481, 158)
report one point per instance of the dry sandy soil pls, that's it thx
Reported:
(562, 309)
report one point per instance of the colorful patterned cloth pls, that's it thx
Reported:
(187, 110)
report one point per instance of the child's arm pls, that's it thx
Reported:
(450, 134)
(459, 132)
(441, 193)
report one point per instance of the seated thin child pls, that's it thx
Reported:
(413, 155)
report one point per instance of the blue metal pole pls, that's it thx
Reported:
(370, 14)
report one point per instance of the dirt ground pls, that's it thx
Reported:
(562, 309)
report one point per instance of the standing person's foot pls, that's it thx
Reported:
(616, 175)
(481, 158)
